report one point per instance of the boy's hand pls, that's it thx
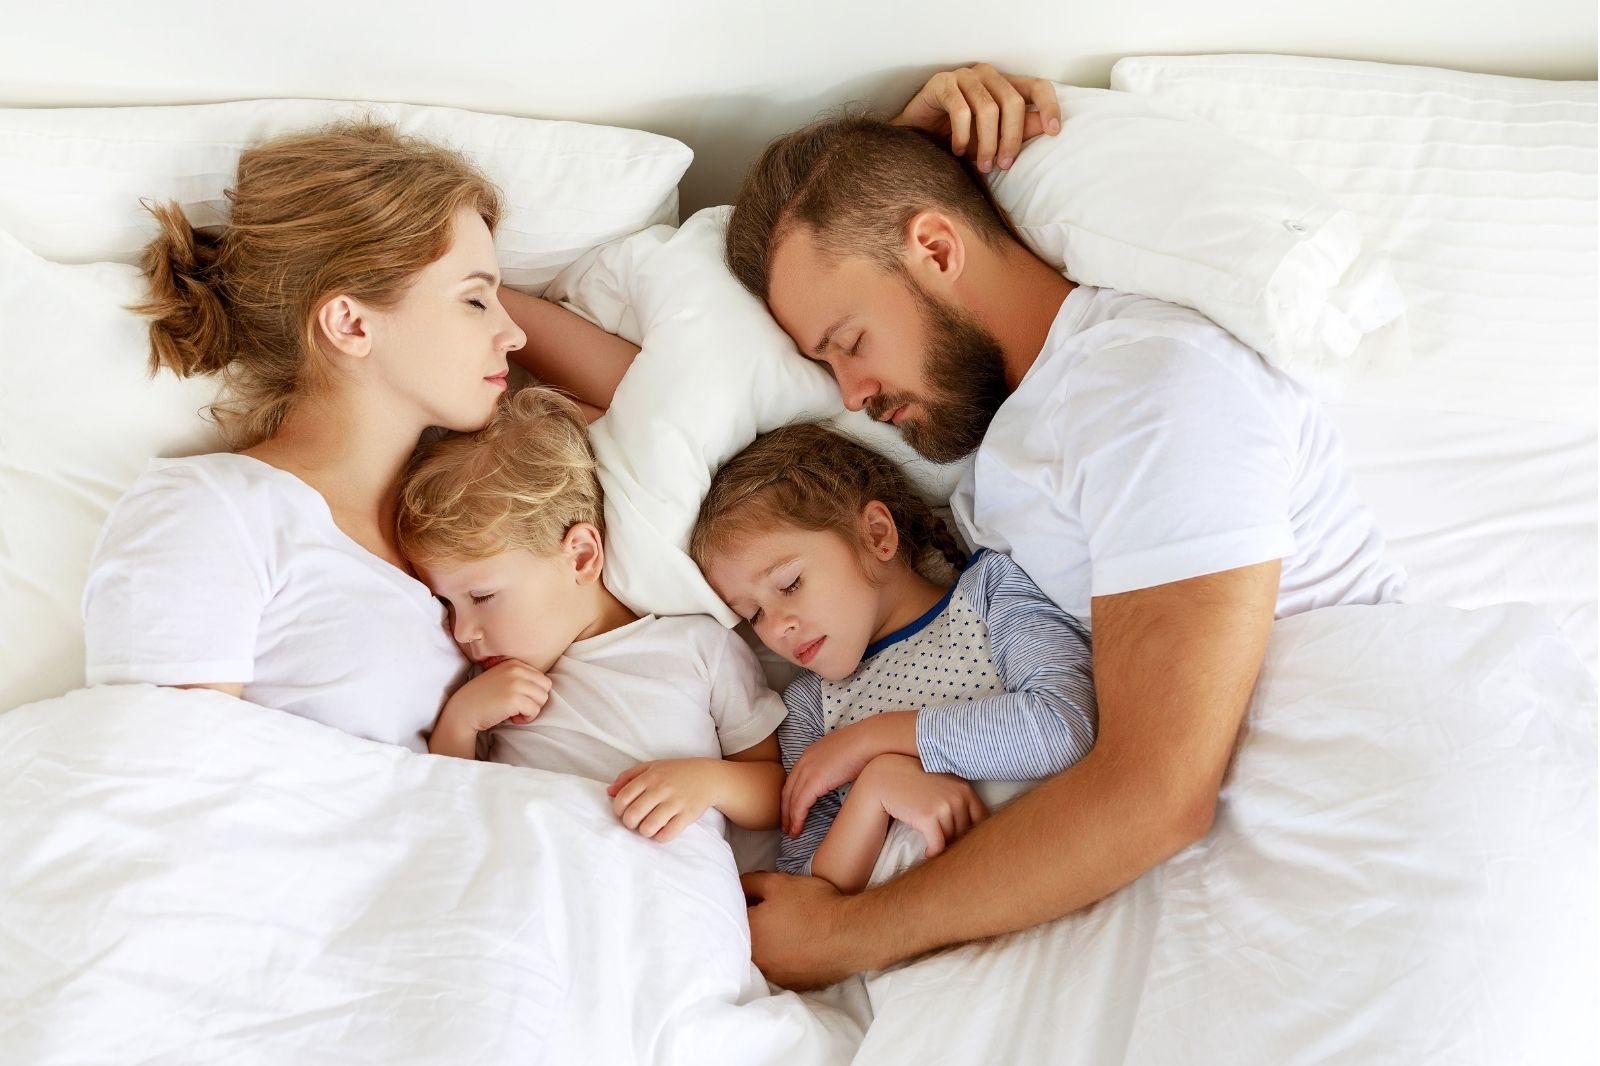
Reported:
(840, 756)
(659, 799)
(510, 691)
(942, 807)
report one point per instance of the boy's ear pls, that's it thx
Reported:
(585, 548)
(878, 532)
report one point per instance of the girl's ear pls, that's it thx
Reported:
(585, 549)
(878, 532)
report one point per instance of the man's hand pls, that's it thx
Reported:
(793, 928)
(942, 807)
(510, 691)
(986, 114)
(839, 757)
(661, 799)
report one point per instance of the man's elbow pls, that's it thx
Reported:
(1186, 819)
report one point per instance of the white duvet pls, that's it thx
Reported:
(1402, 871)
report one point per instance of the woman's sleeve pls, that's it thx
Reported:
(176, 587)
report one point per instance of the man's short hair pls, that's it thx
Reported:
(855, 183)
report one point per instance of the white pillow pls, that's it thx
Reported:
(1143, 198)
(1481, 187)
(71, 178)
(714, 371)
(79, 417)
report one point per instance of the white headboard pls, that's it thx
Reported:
(724, 76)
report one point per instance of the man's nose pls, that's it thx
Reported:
(857, 389)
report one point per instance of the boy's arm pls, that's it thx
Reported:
(753, 781)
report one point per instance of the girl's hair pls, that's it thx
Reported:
(350, 208)
(521, 481)
(808, 476)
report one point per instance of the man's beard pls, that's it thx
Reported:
(966, 383)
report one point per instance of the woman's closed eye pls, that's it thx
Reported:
(479, 304)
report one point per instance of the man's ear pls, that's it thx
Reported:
(936, 251)
(344, 324)
(879, 535)
(584, 547)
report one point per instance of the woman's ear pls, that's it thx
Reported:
(344, 324)
(584, 547)
(879, 534)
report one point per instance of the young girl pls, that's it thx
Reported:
(824, 548)
(506, 527)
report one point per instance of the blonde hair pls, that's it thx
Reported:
(354, 208)
(521, 481)
(808, 476)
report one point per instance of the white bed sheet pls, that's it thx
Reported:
(1402, 871)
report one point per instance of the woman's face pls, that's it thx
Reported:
(441, 351)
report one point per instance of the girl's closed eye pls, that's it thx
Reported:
(477, 599)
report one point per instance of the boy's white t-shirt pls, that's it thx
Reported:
(222, 568)
(1147, 445)
(657, 688)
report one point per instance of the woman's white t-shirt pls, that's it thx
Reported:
(225, 569)
(1146, 445)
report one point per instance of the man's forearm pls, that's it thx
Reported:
(1174, 667)
(1074, 839)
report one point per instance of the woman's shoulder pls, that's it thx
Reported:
(212, 481)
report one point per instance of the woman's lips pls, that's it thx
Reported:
(808, 651)
(498, 380)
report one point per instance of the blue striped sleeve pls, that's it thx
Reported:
(1046, 719)
(801, 728)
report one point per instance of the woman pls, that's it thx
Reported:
(351, 302)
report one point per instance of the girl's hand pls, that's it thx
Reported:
(840, 756)
(986, 114)
(510, 691)
(942, 807)
(659, 799)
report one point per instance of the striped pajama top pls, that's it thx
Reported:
(999, 675)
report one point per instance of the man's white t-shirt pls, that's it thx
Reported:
(1146, 445)
(657, 688)
(222, 568)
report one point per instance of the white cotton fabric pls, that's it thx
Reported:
(189, 878)
(1481, 188)
(1139, 196)
(221, 568)
(1402, 870)
(72, 178)
(657, 688)
(1146, 445)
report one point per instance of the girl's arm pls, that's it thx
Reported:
(941, 807)
(567, 351)
(1044, 721)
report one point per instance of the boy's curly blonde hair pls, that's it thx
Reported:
(521, 481)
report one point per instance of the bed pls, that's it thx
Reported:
(1403, 867)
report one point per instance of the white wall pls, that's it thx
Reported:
(722, 75)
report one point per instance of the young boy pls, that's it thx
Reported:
(505, 525)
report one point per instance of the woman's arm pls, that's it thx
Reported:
(568, 352)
